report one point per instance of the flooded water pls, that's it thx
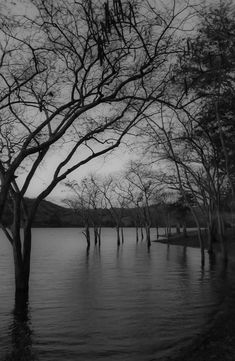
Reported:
(108, 304)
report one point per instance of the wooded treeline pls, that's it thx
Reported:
(53, 215)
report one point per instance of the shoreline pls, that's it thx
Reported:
(191, 240)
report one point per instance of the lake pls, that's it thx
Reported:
(110, 303)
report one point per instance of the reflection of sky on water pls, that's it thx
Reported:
(124, 303)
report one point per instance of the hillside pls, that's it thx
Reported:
(53, 215)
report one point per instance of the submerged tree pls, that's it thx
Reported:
(75, 76)
(209, 69)
(113, 202)
(142, 179)
(187, 164)
(197, 145)
(130, 196)
(87, 201)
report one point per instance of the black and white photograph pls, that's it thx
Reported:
(117, 180)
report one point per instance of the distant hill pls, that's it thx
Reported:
(48, 215)
(53, 215)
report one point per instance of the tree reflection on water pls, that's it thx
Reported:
(20, 332)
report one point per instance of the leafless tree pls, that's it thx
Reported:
(80, 203)
(189, 168)
(139, 176)
(129, 193)
(113, 202)
(75, 75)
(87, 202)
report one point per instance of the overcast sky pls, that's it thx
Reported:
(111, 163)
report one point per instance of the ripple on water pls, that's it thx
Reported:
(110, 304)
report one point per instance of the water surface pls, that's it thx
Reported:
(110, 303)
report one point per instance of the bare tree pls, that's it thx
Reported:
(80, 203)
(143, 181)
(75, 75)
(113, 202)
(189, 168)
(87, 202)
(129, 194)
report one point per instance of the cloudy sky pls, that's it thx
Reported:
(112, 162)
(43, 176)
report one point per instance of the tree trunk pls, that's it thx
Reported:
(96, 235)
(21, 280)
(177, 228)
(137, 233)
(226, 154)
(157, 232)
(22, 264)
(87, 235)
(168, 230)
(21, 333)
(118, 235)
(201, 242)
(21, 253)
(165, 230)
(122, 235)
(210, 239)
(212, 227)
(147, 229)
(222, 237)
(3, 197)
(168, 226)
(142, 233)
(99, 235)
(27, 251)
